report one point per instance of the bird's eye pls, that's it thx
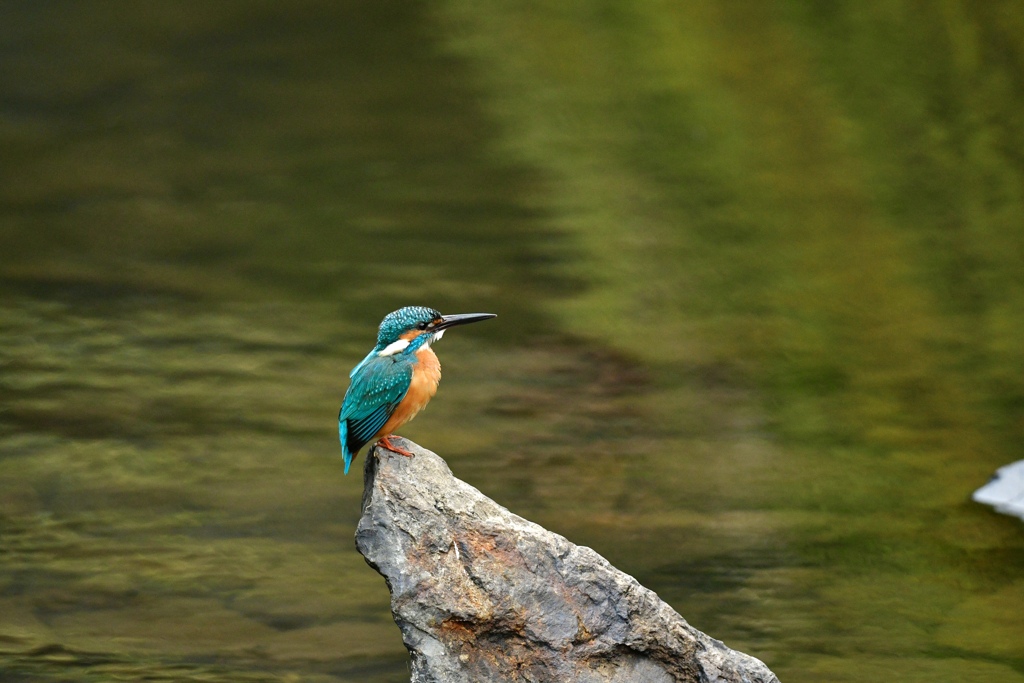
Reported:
(421, 326)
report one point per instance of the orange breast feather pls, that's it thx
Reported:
(425, 378)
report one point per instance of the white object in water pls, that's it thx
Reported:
(1005, 491)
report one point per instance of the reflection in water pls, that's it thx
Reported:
(759, 276)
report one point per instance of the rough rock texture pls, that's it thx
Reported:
(483, 595)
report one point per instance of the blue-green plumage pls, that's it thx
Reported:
(375, 392)
(382, 380)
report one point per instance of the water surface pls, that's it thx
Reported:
(759, 275)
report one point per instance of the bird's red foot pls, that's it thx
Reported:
(386, 443)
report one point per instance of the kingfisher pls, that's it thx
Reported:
(397, 378)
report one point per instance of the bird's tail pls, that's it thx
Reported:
(343, 436)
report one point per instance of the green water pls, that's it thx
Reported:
(759, 271)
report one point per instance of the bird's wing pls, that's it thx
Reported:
(375, 392)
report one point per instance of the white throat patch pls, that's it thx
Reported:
(393, 348)
(433, 338)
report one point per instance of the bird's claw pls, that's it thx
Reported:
(386, 443)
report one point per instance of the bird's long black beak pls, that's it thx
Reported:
(461, 319)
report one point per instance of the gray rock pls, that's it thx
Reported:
(483, 595)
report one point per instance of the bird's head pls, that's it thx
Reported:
(408, 329)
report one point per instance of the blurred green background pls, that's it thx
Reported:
(759, 268)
